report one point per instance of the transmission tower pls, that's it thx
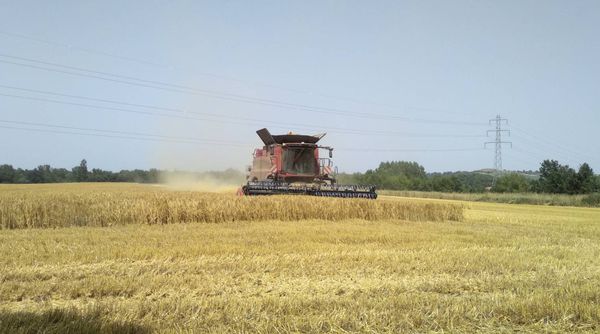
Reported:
(498, 142)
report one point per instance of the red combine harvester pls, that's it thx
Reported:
(290, 164)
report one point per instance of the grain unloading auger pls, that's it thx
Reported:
(290, 164)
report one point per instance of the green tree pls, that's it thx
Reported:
(395, 175)
(7, 174)
(21, 176)
(45, 173)
(446, 183)
(99, 175)
(405, 168)
(512, 183)
(586, 180)
(557, 178)
(80, 173)
(40, 174)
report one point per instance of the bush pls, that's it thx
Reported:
(592, 199)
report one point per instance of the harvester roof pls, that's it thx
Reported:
(269, 139)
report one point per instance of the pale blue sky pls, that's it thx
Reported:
(433, 67)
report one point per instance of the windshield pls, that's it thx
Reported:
(299, 160)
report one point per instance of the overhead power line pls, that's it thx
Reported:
(534, 156)
(79, 97)
(128, 133)
(525, 158)
(113, 136)
(147, 62)
(100, 75)
(182, 112)
(550, 144)
(545, 151)
(80, 131)
(182, 116)
(410, 150)
(86, 50)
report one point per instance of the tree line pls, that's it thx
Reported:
(552, 177)
(81, 173)
(405, 175)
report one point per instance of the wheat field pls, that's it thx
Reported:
(43, 206)
(499, 268)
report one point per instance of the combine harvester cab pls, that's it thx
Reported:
(290, 164)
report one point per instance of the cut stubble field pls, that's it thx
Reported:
(498, 268)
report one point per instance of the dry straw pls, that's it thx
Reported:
(103, 206)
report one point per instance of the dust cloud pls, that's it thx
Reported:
(203, 155)
(227, 181)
